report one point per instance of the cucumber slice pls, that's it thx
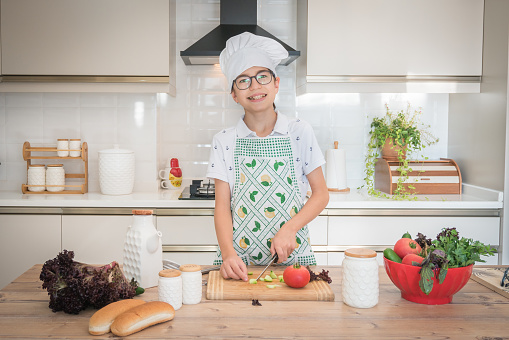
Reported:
(253, 281)
(268, 278)
(261, 279)
(249, 273)
(273, 275)
(271, 286)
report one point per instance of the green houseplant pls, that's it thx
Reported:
(392, 136)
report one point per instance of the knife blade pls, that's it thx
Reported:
(274, 259)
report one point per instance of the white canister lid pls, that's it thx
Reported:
(116, 150)
(360, 253)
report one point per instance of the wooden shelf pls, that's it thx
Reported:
(81, 188)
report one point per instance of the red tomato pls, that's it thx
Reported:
(412, 258)
(406, 246)
(296, 276)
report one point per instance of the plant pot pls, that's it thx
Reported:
(390, 150)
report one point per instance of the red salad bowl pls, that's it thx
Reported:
(407, 277)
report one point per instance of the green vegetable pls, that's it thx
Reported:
(268, 278)
(249, 273)
(271, 286)
(281, 278)
(406, 235)
(391, 255)
(273, 275)
(253, 281)
(139, 290)
(261, 279)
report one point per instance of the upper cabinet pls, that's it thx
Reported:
(83, 41)
(390, 45)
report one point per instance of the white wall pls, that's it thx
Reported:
(158, 127)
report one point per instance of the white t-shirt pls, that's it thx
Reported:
(307, 155)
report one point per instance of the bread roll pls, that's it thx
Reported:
(141, 317)
(101, 321)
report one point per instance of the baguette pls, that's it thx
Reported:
(101, 321)
(141, 317)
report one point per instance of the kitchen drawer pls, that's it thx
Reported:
(318, 231)
(187, 230)
(386, 230)
(26, 240)
(95, 239)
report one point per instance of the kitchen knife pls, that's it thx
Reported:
(274, 259)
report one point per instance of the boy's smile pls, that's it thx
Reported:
(256, 97)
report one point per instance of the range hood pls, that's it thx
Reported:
(236, 17)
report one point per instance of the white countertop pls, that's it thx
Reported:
(472, 198)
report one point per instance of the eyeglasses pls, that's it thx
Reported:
(506, 276)
(262, 77)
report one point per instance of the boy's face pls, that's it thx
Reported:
(256, 97)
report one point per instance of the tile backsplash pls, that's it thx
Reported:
(157, 126)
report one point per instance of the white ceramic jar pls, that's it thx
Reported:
(191, 284)
(62, 147)
(360, 278)
(116, 171)
(36, 175)
(170, 287)
(75, 147)
(143, 250)
(55, 175)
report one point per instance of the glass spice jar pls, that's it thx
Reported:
(360, 278)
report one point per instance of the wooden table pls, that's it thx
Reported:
(475, 313)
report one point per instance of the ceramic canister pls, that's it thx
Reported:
(191, 284)
(360, 278)
(170, 287)
(62, 147)
(36, 176)
(116, 171)
(75, 147)
(55, 175)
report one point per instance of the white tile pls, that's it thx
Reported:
(97, 125)
(14, 152)
(2, 125)
(2, 99)
(136, 126)
(207, 119)
(23, 99)
(98, 99)
(202, 100)
(16, 175)
(24, 124)
(147, 100)
(60, 100)
(3, 161)
(60, 123)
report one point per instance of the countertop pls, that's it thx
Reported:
(476, 312)
(472, 198)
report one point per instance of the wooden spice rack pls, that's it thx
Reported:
(82, 188)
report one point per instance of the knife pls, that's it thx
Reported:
(274, 259)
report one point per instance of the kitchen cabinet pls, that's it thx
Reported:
(88, 41)
(25, 240)
(390, 46)
(95, 239)
(380, 232)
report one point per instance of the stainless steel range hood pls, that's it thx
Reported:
(236, 17)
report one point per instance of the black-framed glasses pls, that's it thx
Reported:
(263, 78)
(504, 277)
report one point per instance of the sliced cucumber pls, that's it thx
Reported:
(273, 275)
(261, 279)
(271, 286)
(253, 281)
(268, 278)
(249, 273)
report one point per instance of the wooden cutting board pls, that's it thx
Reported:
(220, 289)
(491, 278)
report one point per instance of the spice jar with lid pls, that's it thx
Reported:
(170, 287)
(62, 147)
(191, 284)
(36, 175)
(75, 147)
(55, 176)
(360, 278)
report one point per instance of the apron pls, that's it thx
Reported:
(265, 196)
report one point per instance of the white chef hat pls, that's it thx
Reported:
(246, 50)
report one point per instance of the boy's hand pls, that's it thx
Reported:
(283, 243)
(233, 267)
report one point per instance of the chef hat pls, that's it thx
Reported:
(246, 50)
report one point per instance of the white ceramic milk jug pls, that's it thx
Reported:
(143, 250)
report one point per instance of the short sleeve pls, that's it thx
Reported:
(217, 163)
(310, 152)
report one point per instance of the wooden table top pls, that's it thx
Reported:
(476, 312)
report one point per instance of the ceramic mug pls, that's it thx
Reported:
(164, 173)
(166, 184)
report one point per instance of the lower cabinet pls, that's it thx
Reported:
(26, 240)
(95, 239)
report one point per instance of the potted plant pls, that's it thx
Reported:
(392, 137)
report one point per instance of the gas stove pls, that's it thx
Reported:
(199, 191)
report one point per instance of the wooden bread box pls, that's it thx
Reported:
(428, 177)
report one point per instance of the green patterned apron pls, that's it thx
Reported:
(265, 195)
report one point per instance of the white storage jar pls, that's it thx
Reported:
(191, 284)
(116, 171)
(36, 176)
(55, 175)
(170, 287)
(360, 278)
